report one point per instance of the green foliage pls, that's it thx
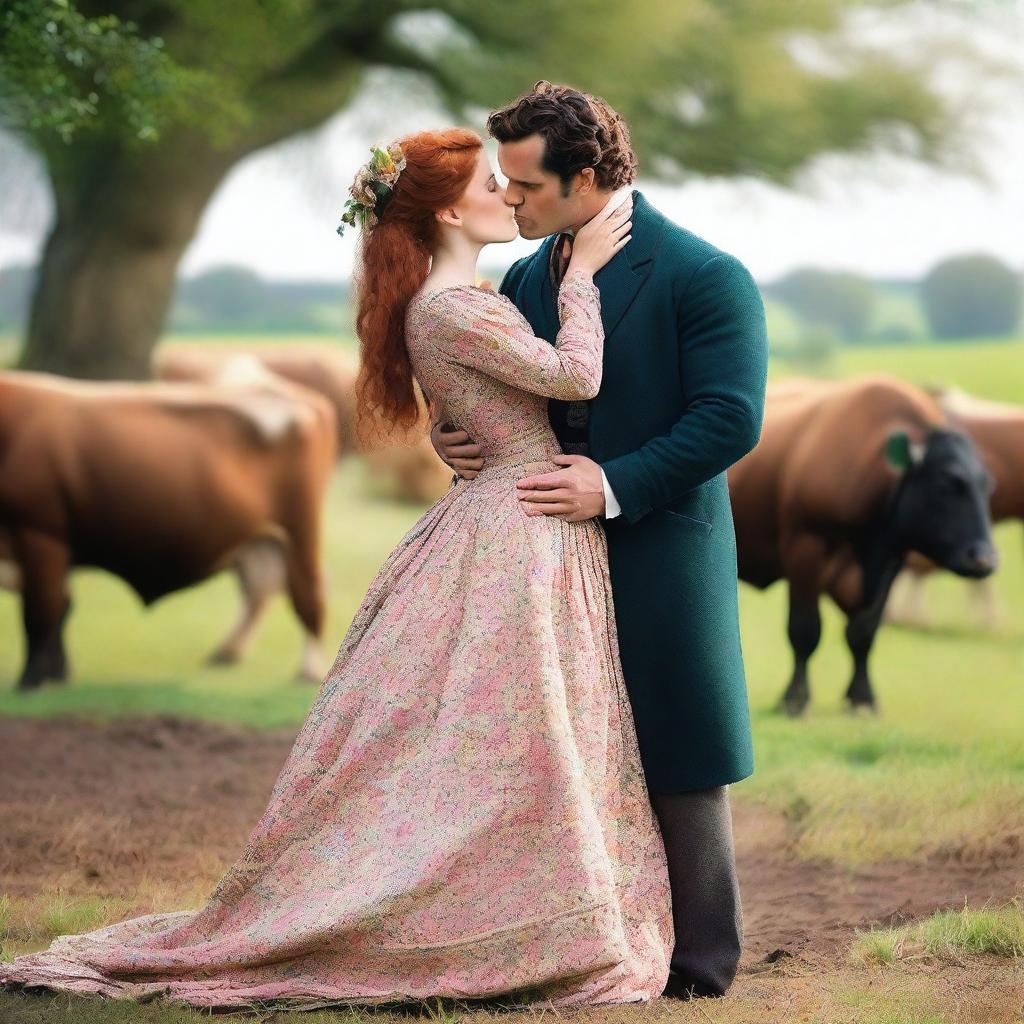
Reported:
(841, 302)
(751, 86)
(972, 295)
(63, 74)
(744, 87)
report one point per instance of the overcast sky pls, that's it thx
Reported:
(277, 211)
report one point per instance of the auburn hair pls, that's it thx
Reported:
(579, 130)
(395, 258)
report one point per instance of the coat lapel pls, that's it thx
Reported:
(620, 279)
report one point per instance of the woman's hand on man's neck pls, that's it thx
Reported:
(602, 197)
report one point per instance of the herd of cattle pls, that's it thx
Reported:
(222, 462)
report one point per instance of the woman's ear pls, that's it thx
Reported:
(449, 216)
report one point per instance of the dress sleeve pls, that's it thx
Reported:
(489, 334)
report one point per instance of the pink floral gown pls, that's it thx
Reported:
(464, 812)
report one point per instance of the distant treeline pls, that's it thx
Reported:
(227, 299)
(969, 296)
(235, 299)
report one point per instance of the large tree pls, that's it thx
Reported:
(139, 108)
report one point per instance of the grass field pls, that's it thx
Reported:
(937, 776)
(860, 786)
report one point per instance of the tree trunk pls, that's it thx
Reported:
(126, 212)
(108, 269)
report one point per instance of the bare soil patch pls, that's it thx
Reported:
(122, 809)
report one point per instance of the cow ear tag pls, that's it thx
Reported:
(897, 449)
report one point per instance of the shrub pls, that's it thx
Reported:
(841, 302)
(972, 296)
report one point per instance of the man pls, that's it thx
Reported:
(682, 399)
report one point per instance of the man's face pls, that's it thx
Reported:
(536, 193)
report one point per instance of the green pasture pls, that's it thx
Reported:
(987, 367)
(939, 771)
(940, 768)
(990, 368)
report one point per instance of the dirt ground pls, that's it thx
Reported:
(105, 809)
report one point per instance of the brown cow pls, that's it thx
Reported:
(404, 465)
(163, 485)
(997, 430)
(849, 476)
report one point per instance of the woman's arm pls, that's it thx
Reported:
(489, 334)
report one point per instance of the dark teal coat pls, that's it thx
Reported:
(681, 400)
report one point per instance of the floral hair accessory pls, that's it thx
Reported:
(373, 187)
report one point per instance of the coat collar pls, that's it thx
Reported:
(619, 280)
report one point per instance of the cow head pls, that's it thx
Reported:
(942, 503)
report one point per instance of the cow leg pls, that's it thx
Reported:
(803, 557)
(986, 611)
(861, 627)
(312, 668)
(804, 630)
(860, 636)
(43, 562)
(917, 611)
(261, 574)
(906, 603)
(10, 576)
(306, 590)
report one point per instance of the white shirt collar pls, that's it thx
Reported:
(614, 200)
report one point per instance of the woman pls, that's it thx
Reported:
(463, 812)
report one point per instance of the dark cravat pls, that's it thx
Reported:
(561, 253)
(570, 420)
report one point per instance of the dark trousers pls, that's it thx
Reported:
(697, 829)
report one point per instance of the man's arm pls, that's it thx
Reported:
(611, 503)
(723, 345)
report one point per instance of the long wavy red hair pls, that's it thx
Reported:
(395, 260)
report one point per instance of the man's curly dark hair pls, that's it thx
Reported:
(579, 130)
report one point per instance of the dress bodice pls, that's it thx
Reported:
(474, 351)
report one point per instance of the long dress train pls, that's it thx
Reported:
(464, 811)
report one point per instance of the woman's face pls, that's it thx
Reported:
(485, 216)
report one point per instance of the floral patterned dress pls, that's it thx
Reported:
(464, 812)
